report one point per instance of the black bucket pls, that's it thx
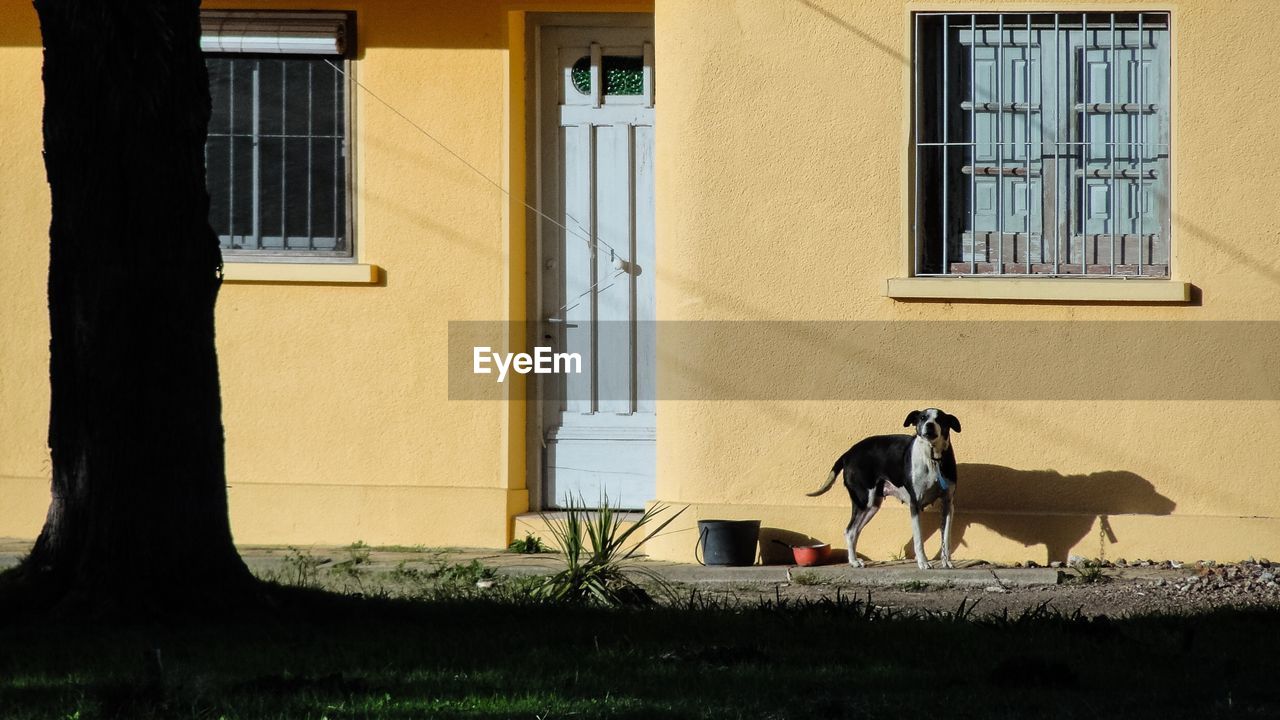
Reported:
(727, 542)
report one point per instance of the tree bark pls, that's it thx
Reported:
(138, 519)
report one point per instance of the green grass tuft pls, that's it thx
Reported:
(807, 577)
(530, 544)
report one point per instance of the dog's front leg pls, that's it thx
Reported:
(947, 510)
(921, 562)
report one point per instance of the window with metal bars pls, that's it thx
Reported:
(1041, 144)
(276, 156)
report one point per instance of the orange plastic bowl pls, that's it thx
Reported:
(810, 555)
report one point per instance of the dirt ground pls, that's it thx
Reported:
(1093, 588)
(1116, 592)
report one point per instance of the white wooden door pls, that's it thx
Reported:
(596, 262)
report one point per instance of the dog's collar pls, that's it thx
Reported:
(942, 479)
(934, 454)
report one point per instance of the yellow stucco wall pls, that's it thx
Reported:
(782, 194)
(337, 421)
(24, 262)
(784, 138)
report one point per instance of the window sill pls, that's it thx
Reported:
(1100, 290)
(326, 273)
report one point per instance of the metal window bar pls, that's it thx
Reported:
(284, 146)
(255, 127)
(1057, 147)
(999, 90)
(1027, 157)
(1112, 155)
(336, 142)
(244, 231)
(231, 150)
(1085, 130)
(919, 250)
(1141, 197)
(1065, 143)
(946, 137)
(1136, 108)
(973, 131)
(311, 83)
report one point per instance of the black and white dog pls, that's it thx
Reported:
(917, 469)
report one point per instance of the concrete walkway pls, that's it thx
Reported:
(265, 560)
(876, 575)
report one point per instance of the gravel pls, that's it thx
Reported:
(1123, 588)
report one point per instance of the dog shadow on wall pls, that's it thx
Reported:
(1042, 507)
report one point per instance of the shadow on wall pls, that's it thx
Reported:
(1044, 507)
(1032, 507)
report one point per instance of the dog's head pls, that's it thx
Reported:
(934, 426)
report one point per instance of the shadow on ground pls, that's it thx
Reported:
(341, 657)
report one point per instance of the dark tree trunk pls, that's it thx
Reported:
(138, 521)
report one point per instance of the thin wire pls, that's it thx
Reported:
(588, 239)
(566, 307)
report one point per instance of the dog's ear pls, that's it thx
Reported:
(950, 421)
(912, 419)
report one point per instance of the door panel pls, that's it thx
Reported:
(613, 296)
(642, 275)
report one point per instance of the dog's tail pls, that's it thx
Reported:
(831, 478)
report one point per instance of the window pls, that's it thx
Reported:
(1041, 144)
(623, 74)
(277, 155)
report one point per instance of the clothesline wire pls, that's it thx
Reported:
(585, 236)
(567, 306)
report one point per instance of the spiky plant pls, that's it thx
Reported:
(599, 555)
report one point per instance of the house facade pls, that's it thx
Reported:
(765, 228)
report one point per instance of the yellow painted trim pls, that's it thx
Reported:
(346, 273)
(286, 513)
(539, 525)
(1063, 289)
(514, 229)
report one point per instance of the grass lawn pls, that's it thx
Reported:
(330, 656)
